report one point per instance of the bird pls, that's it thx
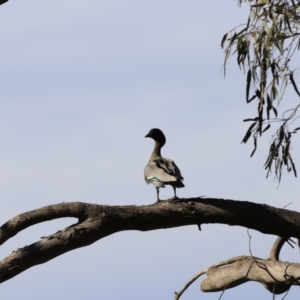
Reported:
(161, 171)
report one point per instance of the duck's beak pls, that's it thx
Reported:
(148, 135)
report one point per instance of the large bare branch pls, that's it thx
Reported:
(98, 221)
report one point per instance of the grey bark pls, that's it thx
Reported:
(276, 276)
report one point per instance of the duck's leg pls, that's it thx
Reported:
(175, 196)
(157, 193)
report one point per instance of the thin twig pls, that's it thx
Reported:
(274, 290)
(286, 293)
(178, 295)
(222, 293)
(250, 237)
(287, 205)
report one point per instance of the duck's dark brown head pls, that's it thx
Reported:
(157, 135)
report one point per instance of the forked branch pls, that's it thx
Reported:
(98, 221)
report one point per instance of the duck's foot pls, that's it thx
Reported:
(174, 198)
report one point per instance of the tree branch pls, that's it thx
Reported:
(274, 254)
(47, 213)
(179, 294)
(98, 221)
(276, 276)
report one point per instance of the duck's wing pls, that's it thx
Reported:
(169, 166)
(154, 173)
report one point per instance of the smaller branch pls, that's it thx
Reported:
(178, 294)
(274, 254)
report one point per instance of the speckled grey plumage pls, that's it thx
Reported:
(161, 171)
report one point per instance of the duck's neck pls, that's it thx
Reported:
(156, 150)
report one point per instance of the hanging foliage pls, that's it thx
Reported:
(265, 48)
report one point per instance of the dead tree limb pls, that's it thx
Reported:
(276, 276)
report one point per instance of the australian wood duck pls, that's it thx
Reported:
(161, 171)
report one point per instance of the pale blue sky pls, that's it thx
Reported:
(82, 82)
